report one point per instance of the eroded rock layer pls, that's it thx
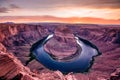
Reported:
(11, 68)
(63, 44)
(18, 39)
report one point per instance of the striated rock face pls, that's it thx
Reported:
(18, 38)
(11, 68)
(62, 45)
(2, 47)
(115, 75)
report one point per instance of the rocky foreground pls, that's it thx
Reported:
(17, 39)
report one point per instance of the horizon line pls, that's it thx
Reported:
(28, 19)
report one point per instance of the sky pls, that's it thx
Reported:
(66, 11)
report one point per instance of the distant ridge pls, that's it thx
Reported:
(9, 22)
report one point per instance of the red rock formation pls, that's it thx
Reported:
(2, 47)
(62, 44)
(115, 75)
(19, 42)
(11, 68)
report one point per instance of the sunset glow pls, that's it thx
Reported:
(69, 11)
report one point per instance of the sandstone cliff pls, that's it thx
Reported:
(17, 39)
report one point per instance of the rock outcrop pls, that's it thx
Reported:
(18, 39)
(12, 69)
(115, 75)
(62, 45)
(2, 47)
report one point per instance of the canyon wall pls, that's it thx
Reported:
(17, 39)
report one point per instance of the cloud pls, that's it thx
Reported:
(6, 8)
(22, 19)
(3, 10)
(108, 9)
(51, 4)
(113, 4)
(97, 3)
(83, 3)
(54, 4)
(4, 1)
(13, 6)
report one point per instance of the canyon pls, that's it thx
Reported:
(17, 39)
